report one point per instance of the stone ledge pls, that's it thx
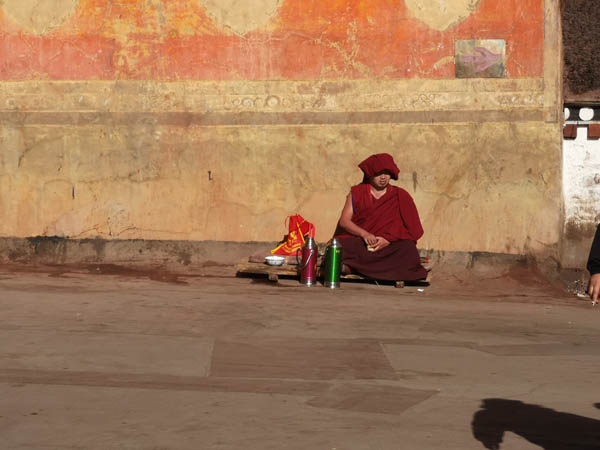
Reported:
(58, 250)
(54, 250)
(166, 260)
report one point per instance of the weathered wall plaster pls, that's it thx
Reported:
(241, 16)
(164, 120)
(442, 14)
(85, 172)
(581, 191)
(259, 39)
(39, 17)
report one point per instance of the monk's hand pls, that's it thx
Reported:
(381, 243)
(594, 287)
(370, 239)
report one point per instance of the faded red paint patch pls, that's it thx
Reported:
(34, 57)
(520, 23)
(307, 39)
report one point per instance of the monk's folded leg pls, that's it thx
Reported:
(398, 261)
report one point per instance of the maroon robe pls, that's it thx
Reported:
(394, 217)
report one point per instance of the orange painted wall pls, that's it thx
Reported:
(306, 39)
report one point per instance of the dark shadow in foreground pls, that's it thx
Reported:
(550, 429)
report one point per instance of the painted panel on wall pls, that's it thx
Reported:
(259, 39)
(480, 59)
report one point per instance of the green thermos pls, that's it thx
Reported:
(333, 264)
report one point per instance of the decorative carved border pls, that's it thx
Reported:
(247, 103)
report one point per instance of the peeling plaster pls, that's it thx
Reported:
(442, 14)
(241, 16)
(581, 179)
(257, 39)
(39, 16)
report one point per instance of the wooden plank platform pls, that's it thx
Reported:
(274, 272)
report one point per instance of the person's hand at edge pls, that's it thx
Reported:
(594, 287)
(370, 239)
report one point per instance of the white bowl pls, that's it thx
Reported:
(274, 260)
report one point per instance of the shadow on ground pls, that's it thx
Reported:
(550, 429)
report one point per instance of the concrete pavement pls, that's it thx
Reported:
(188, 363)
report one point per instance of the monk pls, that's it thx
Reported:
(379, 225)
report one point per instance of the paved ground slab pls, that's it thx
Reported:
(113, 361)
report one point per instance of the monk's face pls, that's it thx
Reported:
(380, 180)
